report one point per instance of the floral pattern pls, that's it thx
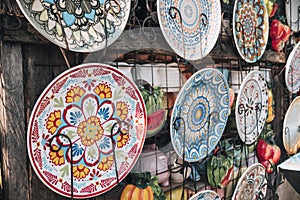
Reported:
(104, 123)
(82, 26)
(251, 28)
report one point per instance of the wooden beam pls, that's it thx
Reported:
(12, 123)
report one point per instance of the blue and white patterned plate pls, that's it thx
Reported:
(250, 28)
(200, 114)
(78, 25)
(251, 107)
(91, 121)
(205, 195)
(292, 70)
(196, 36)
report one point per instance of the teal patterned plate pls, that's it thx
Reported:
(81, 26)
(198, 33)
(90, 120)
(200, 114)
(250, 28)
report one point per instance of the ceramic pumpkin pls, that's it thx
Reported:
(132, 192)
(219, 169)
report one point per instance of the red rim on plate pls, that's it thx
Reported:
(102, 114)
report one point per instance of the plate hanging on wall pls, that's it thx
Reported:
(292, 70)
(252, 184)
(251, 107)
(292, 16)
(96, 113)
(205, 195)
(291, 134)
(200, 114)
(194, 34)
(250, 28)
(79, 26)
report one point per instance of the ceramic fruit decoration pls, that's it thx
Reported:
(272, 7)
(142, 186)
(219, 169)
(271, 115)
(268, 153)
(155, 106)
(133, 192)
(279, 34)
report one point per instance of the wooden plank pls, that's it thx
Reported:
(12, 123)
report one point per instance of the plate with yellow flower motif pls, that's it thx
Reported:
(251, 28)
(81, 26)
(91, 121)
(200, 114)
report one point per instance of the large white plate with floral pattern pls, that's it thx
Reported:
(250, 28)
(205, 195)
(251, 107)
(252, 184)
(292, 70)
(291, 123)
(200, 114)
(196, 36)
(103, 114)
(81, 26)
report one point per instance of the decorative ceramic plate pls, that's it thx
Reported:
(250, 28)
(251, 107)
(90, 120)
(291, 11)
(81, 26)
(291, 123)
(292, 70)
(200, 114)
(205, 195)
(252, 184)
(194, 34)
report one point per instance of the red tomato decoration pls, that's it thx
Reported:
(279, 34)
(268, 154)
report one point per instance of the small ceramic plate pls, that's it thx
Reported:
(291, 124)
(200, 114)
(80, 26)
(251, 107)
(191, 27)
(94, 113)
(205, 195)
(250, 28)
(252, 184)
(291, 12)
(292, 70)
